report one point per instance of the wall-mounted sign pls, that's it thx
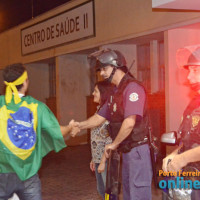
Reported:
(69, 26)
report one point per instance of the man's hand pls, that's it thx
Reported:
(177, 163)
(166, 161)
(75, 128)
(65, 130)
(109, 148)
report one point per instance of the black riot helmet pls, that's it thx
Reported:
(105, 57)
(194, 60)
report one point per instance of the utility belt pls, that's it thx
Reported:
(126, 147)
(130, 142)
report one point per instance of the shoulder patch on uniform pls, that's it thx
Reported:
(133, 97)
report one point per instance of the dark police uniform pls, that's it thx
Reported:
(189, 131)
(129, 99)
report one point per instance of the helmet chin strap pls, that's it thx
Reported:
(112, 74)
(195, 86)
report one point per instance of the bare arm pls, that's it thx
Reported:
(65, 130)
(169, 157)
(102, 164)
(192, 155)
(181, 160)
(125, 130)
(91, 122)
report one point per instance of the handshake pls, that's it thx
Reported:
(74, 128)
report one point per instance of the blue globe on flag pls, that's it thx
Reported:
(20, 128)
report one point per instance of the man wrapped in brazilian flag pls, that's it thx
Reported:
(28, 131)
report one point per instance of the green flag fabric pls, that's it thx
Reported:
(28, 131)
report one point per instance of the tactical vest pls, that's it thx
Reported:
(116, 110)
(190, 126)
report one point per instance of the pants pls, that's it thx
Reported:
(137, 174)
(101, 181)
(29, 189)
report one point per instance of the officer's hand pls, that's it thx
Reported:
(109, 148)
(166, 161)
(177, 163)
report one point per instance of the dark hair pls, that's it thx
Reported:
(105, 89)
(13, 72)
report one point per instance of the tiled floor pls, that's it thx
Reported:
(66, 176)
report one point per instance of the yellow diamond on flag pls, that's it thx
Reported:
(18, 131)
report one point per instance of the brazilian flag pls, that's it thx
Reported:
(28, 131)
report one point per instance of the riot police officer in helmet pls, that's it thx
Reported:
(127, 112)
(188, 153)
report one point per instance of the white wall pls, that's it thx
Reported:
(38, 74)
(74, 86)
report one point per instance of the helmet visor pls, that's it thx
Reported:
(188, 56)
(102, 58)
(95, 63)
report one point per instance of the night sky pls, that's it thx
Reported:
(15, 12)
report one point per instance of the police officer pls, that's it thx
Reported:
(188, 153)
(126, 111)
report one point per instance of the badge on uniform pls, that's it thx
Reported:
(133, 97)
(114, 107)
(195, 120)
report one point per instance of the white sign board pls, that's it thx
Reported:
(69, 26)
